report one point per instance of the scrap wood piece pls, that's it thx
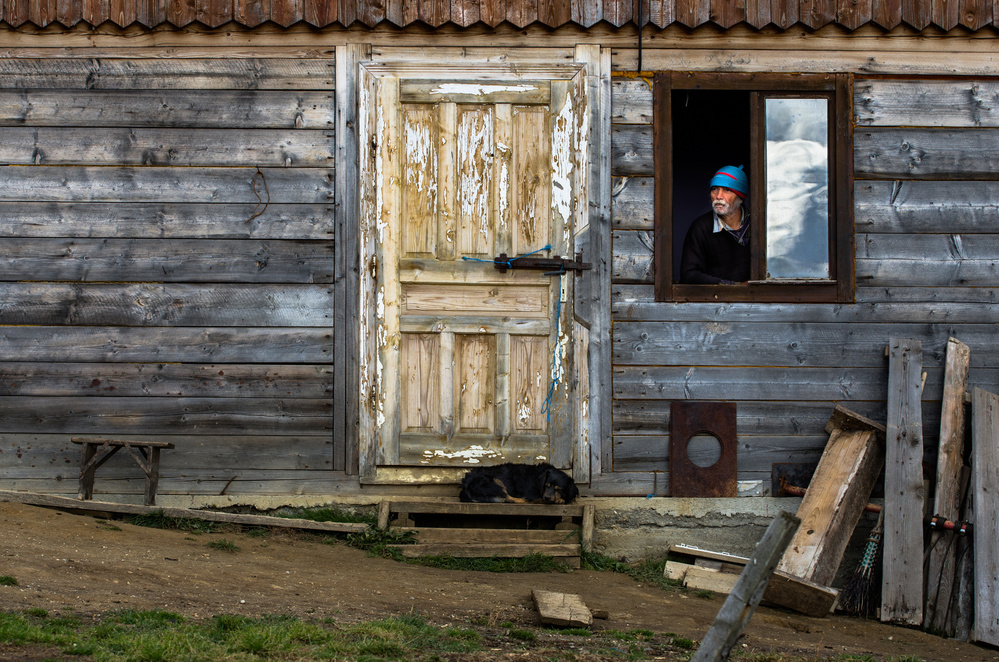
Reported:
(562, 609)
(64, 503)
(985, 489)
(942, 564)
(902, 579)
(783, 590)
(836, 497)
(740, 604)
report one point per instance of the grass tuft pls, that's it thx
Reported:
(529, 563)
(223, 545)
(7, 580)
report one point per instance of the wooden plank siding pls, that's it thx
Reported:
(167, 271)
(926, 199)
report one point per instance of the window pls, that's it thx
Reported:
(794, 136)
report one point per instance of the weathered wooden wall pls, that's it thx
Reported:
(166, 270)
(927, 246)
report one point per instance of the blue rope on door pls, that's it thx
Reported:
(508, 263)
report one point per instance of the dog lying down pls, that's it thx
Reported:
(518, 483)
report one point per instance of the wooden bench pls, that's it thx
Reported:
(483, 530)
(97, 451)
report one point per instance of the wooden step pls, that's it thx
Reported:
(486, 530)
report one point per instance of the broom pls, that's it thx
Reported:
(857, 596)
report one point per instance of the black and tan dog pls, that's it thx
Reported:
(518, 483)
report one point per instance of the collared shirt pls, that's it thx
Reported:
(742, 234)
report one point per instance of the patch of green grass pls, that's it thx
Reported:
(683, 642)
(704, 594)
(161, 636)
(157, 520)
(7, 580)
(37, 612)
(223, 545)
(529, 563)
(377, 542)
(522, 635)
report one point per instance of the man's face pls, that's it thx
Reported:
(724, 201)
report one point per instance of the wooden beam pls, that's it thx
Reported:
(985, 482)
(346, 316)
(836, 497)
(734, 615)
(941, 565)
(65, 503)
(902, 583)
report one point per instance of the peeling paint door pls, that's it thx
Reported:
(470, 365)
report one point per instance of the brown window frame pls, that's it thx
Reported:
(838, 88)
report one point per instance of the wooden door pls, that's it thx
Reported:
(469, 365)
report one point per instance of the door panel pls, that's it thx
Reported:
(466, 354)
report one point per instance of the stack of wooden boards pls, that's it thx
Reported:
(955, 595)
(484, 530)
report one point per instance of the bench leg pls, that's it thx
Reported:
(87, 471)
(153, 476)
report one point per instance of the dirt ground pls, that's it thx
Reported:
(66, 563)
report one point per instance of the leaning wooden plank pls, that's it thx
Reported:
(941, 565)
(902, 583)
(563, 609)
(985, 482)
(179, 513)
(734, 615)
(835, 500)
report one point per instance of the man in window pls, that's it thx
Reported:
(716, 249)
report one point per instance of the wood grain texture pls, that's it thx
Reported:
(914, 153)
(840, 488)
(985, 482)
(915, 207)
(786, 344)
(902, 582)
(942, 544)
(160, 304)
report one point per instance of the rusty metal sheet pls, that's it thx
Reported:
(688, 419)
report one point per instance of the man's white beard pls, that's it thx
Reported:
(723, 208)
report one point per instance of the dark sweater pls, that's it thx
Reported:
(713, 257)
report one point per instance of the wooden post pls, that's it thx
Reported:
(902, 583)
(346, 370)
(835, 500)
(985, 485)
(734, 615)
(941, 566)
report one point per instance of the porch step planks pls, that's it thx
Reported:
(485, 530)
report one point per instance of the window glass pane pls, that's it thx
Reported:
(797, 135)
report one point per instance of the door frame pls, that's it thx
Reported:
(378, 90)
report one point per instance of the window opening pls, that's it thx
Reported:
(792, 134)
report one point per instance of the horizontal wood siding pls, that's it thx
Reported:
(927, 249)
(167, 270)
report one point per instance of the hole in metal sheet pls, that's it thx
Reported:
(704, 450)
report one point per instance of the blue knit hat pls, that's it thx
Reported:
(732, 178)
